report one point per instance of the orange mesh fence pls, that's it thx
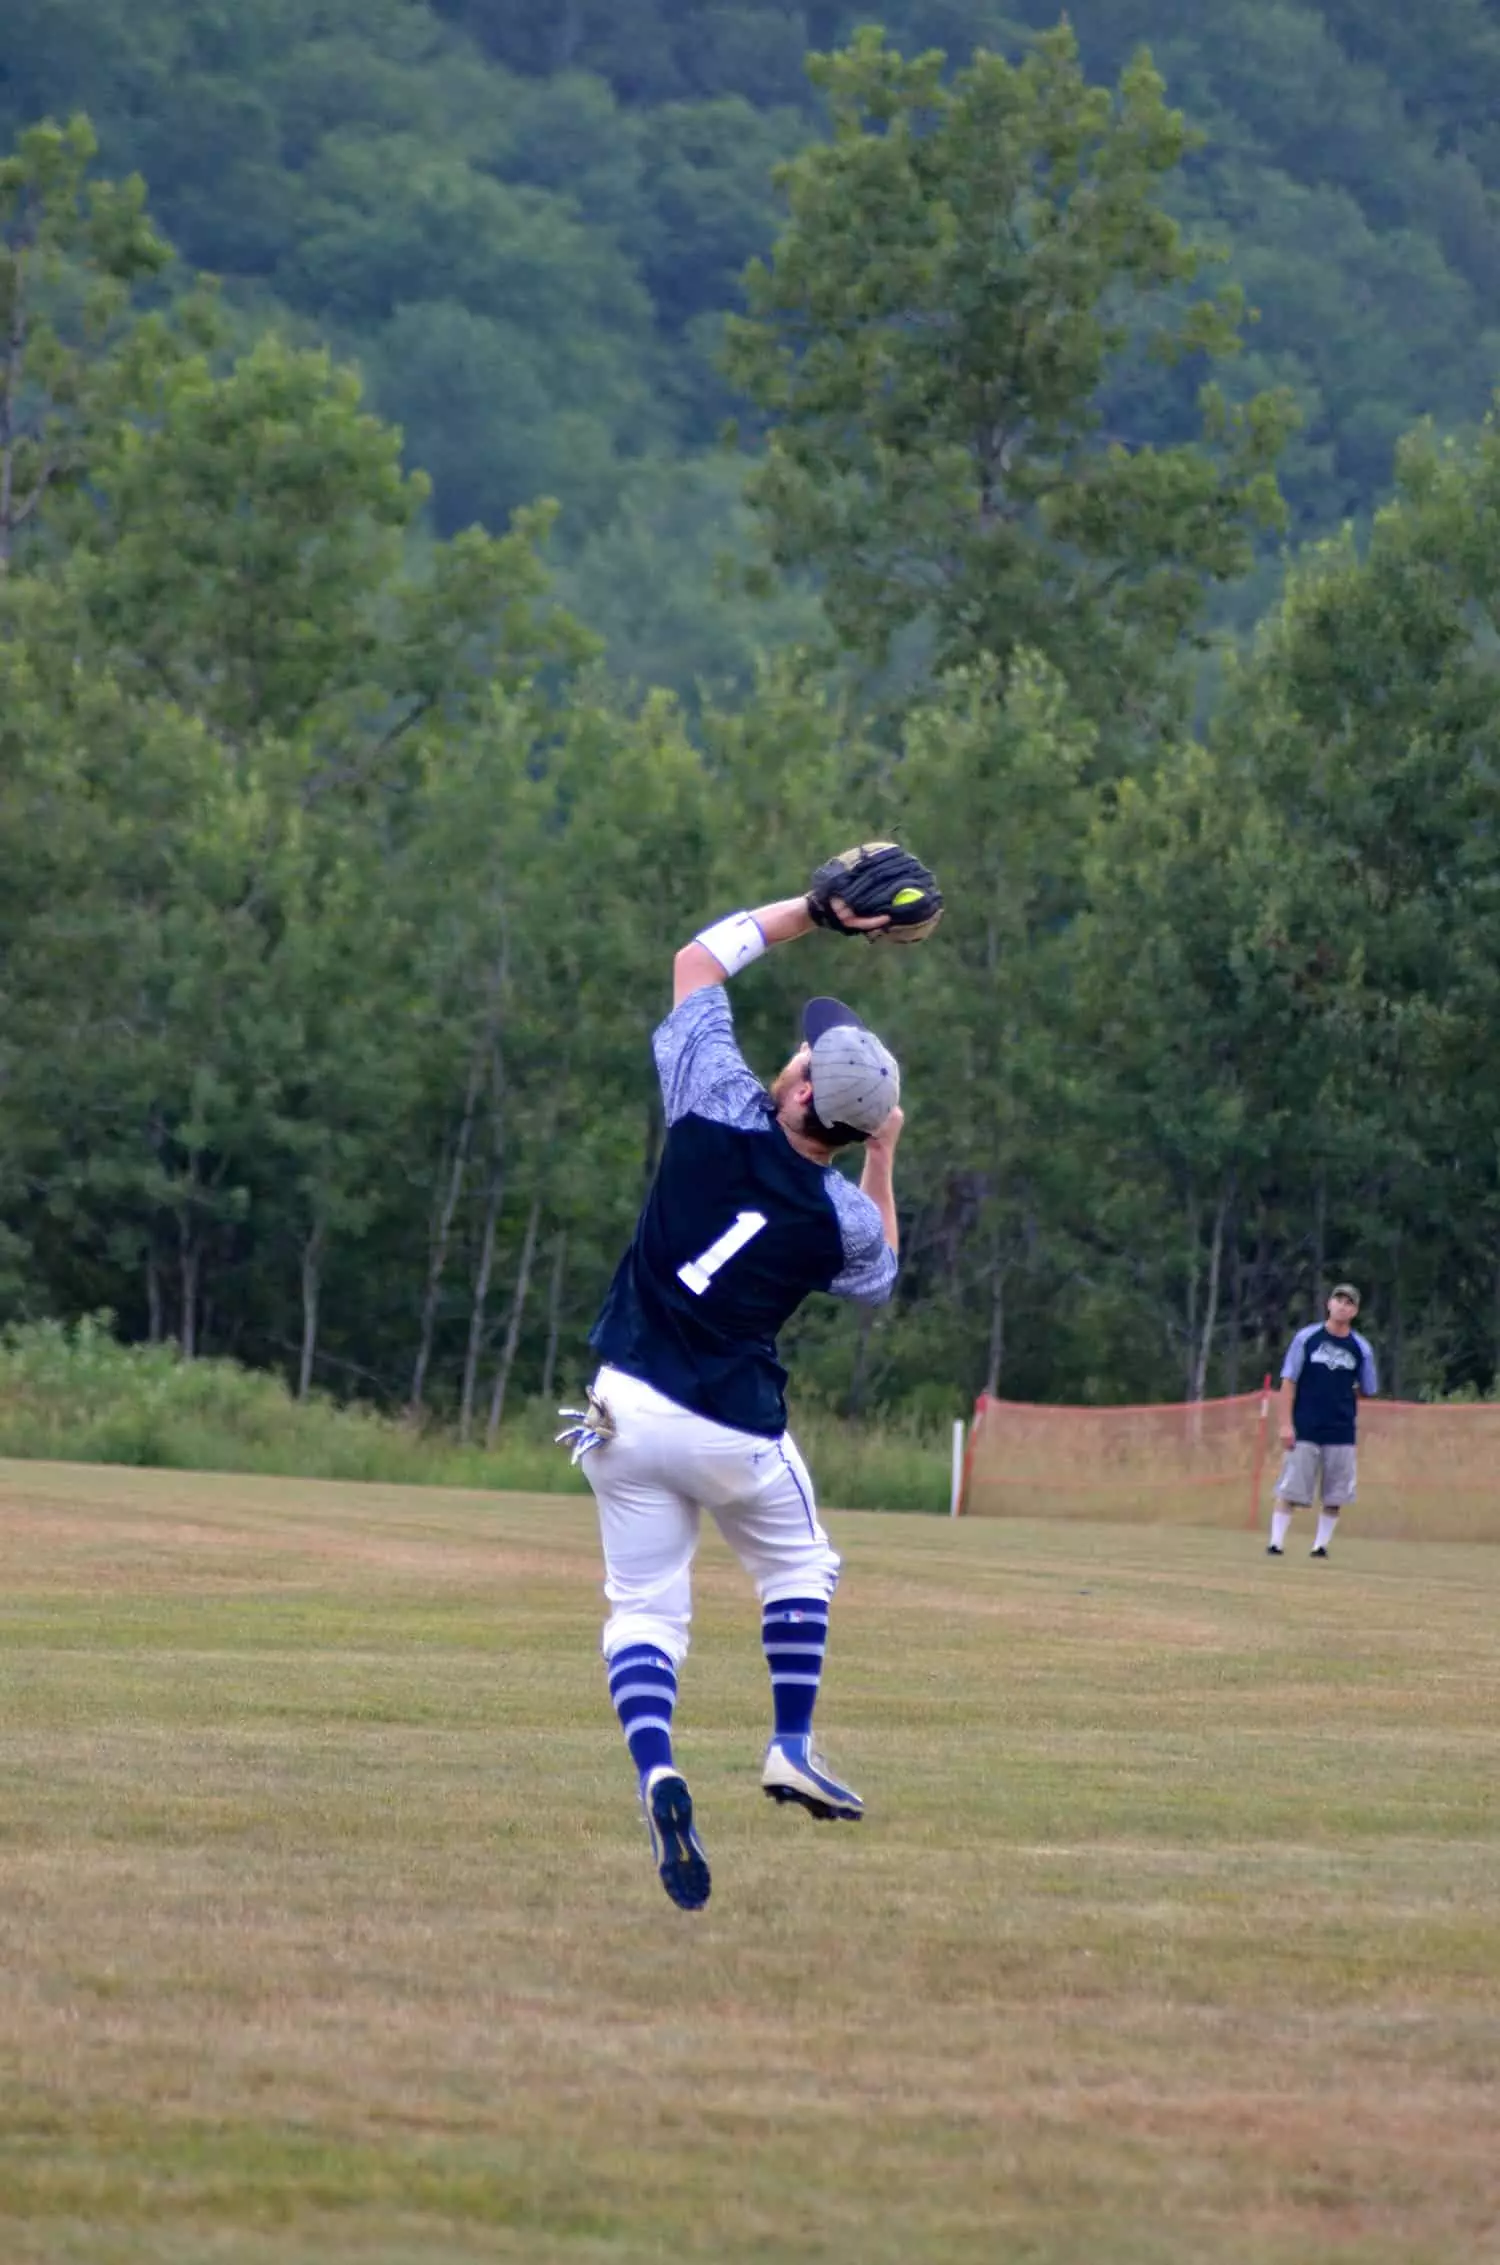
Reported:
(1191, 1463)
(1426, 1470)
(1423, 1470)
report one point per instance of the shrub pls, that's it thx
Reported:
(76, 1394)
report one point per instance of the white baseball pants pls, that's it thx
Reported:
(652, 1481)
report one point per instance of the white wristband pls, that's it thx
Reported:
(734, 942)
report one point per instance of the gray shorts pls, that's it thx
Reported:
(1298, 1483)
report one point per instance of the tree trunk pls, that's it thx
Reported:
(189, 1270)
(513, 1326)
(494, 1198)
(1192, 1294)
(155, 1324)
(483, 1055)
(554, 1312)
(312, 1290)
(1236, 1308)
(442, 1231)
(996, 1355)
(1211, 1300)
(1320, 1243)
(1267, 1325)
(156, 1321)
(865, 1323)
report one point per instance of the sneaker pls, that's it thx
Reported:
(1274, 1549)
(793, 1772)
(676, 1850)
(1320, 1551)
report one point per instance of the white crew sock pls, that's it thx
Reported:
(1327, 1527)
(1281, 1526)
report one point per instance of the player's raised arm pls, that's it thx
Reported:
(718, 952)
(875, 1180)
(875, 890)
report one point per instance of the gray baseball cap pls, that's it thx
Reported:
(855, 1080)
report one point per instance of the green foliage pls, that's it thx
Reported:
(662, 581)
(963, 262)
(77, 1395)
(1369, 713)
(528, 227)
(339, 881)
(71, 251)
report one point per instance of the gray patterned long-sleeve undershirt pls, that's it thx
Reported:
(703, 1073)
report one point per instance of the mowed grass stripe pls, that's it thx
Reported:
(329, 1930)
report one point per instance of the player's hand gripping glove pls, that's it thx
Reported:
(875, 878)
(593, 1426)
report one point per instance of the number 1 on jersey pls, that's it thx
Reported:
(700, 1271)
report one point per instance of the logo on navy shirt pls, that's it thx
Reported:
(1329, 1355)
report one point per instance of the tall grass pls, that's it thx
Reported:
(75, 1394)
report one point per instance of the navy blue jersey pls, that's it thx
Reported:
(737, 1230)
(1329, 1372)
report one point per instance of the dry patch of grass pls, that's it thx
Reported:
(329, 1935)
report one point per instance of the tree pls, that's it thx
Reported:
(962, 262)
(1369, 715)
(991, 781)
(659, 582)
(1210, 1019)
(229, 693)
(71, 252)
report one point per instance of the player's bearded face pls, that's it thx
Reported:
(784, 1088)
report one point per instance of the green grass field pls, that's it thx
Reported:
(329, 1933)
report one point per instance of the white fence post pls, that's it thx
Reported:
(955, 1499)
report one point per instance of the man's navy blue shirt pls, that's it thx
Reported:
(1329, 1372)
(739, 1228)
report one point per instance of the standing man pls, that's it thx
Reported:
(747, 1216)
(1327, 1366)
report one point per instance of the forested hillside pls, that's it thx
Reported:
(526, 222)
(350, 808)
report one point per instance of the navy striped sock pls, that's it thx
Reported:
(794, 1631)
(643, 1689)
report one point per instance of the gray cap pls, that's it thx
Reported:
(855, 1080)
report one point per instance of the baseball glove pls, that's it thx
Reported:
(877, 877)
(592, 1426)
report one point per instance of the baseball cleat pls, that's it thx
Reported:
(793, 1772)
(1317, 1553)
(676, 1850)
(1273, 1549)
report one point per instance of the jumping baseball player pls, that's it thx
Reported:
(747, 1216)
